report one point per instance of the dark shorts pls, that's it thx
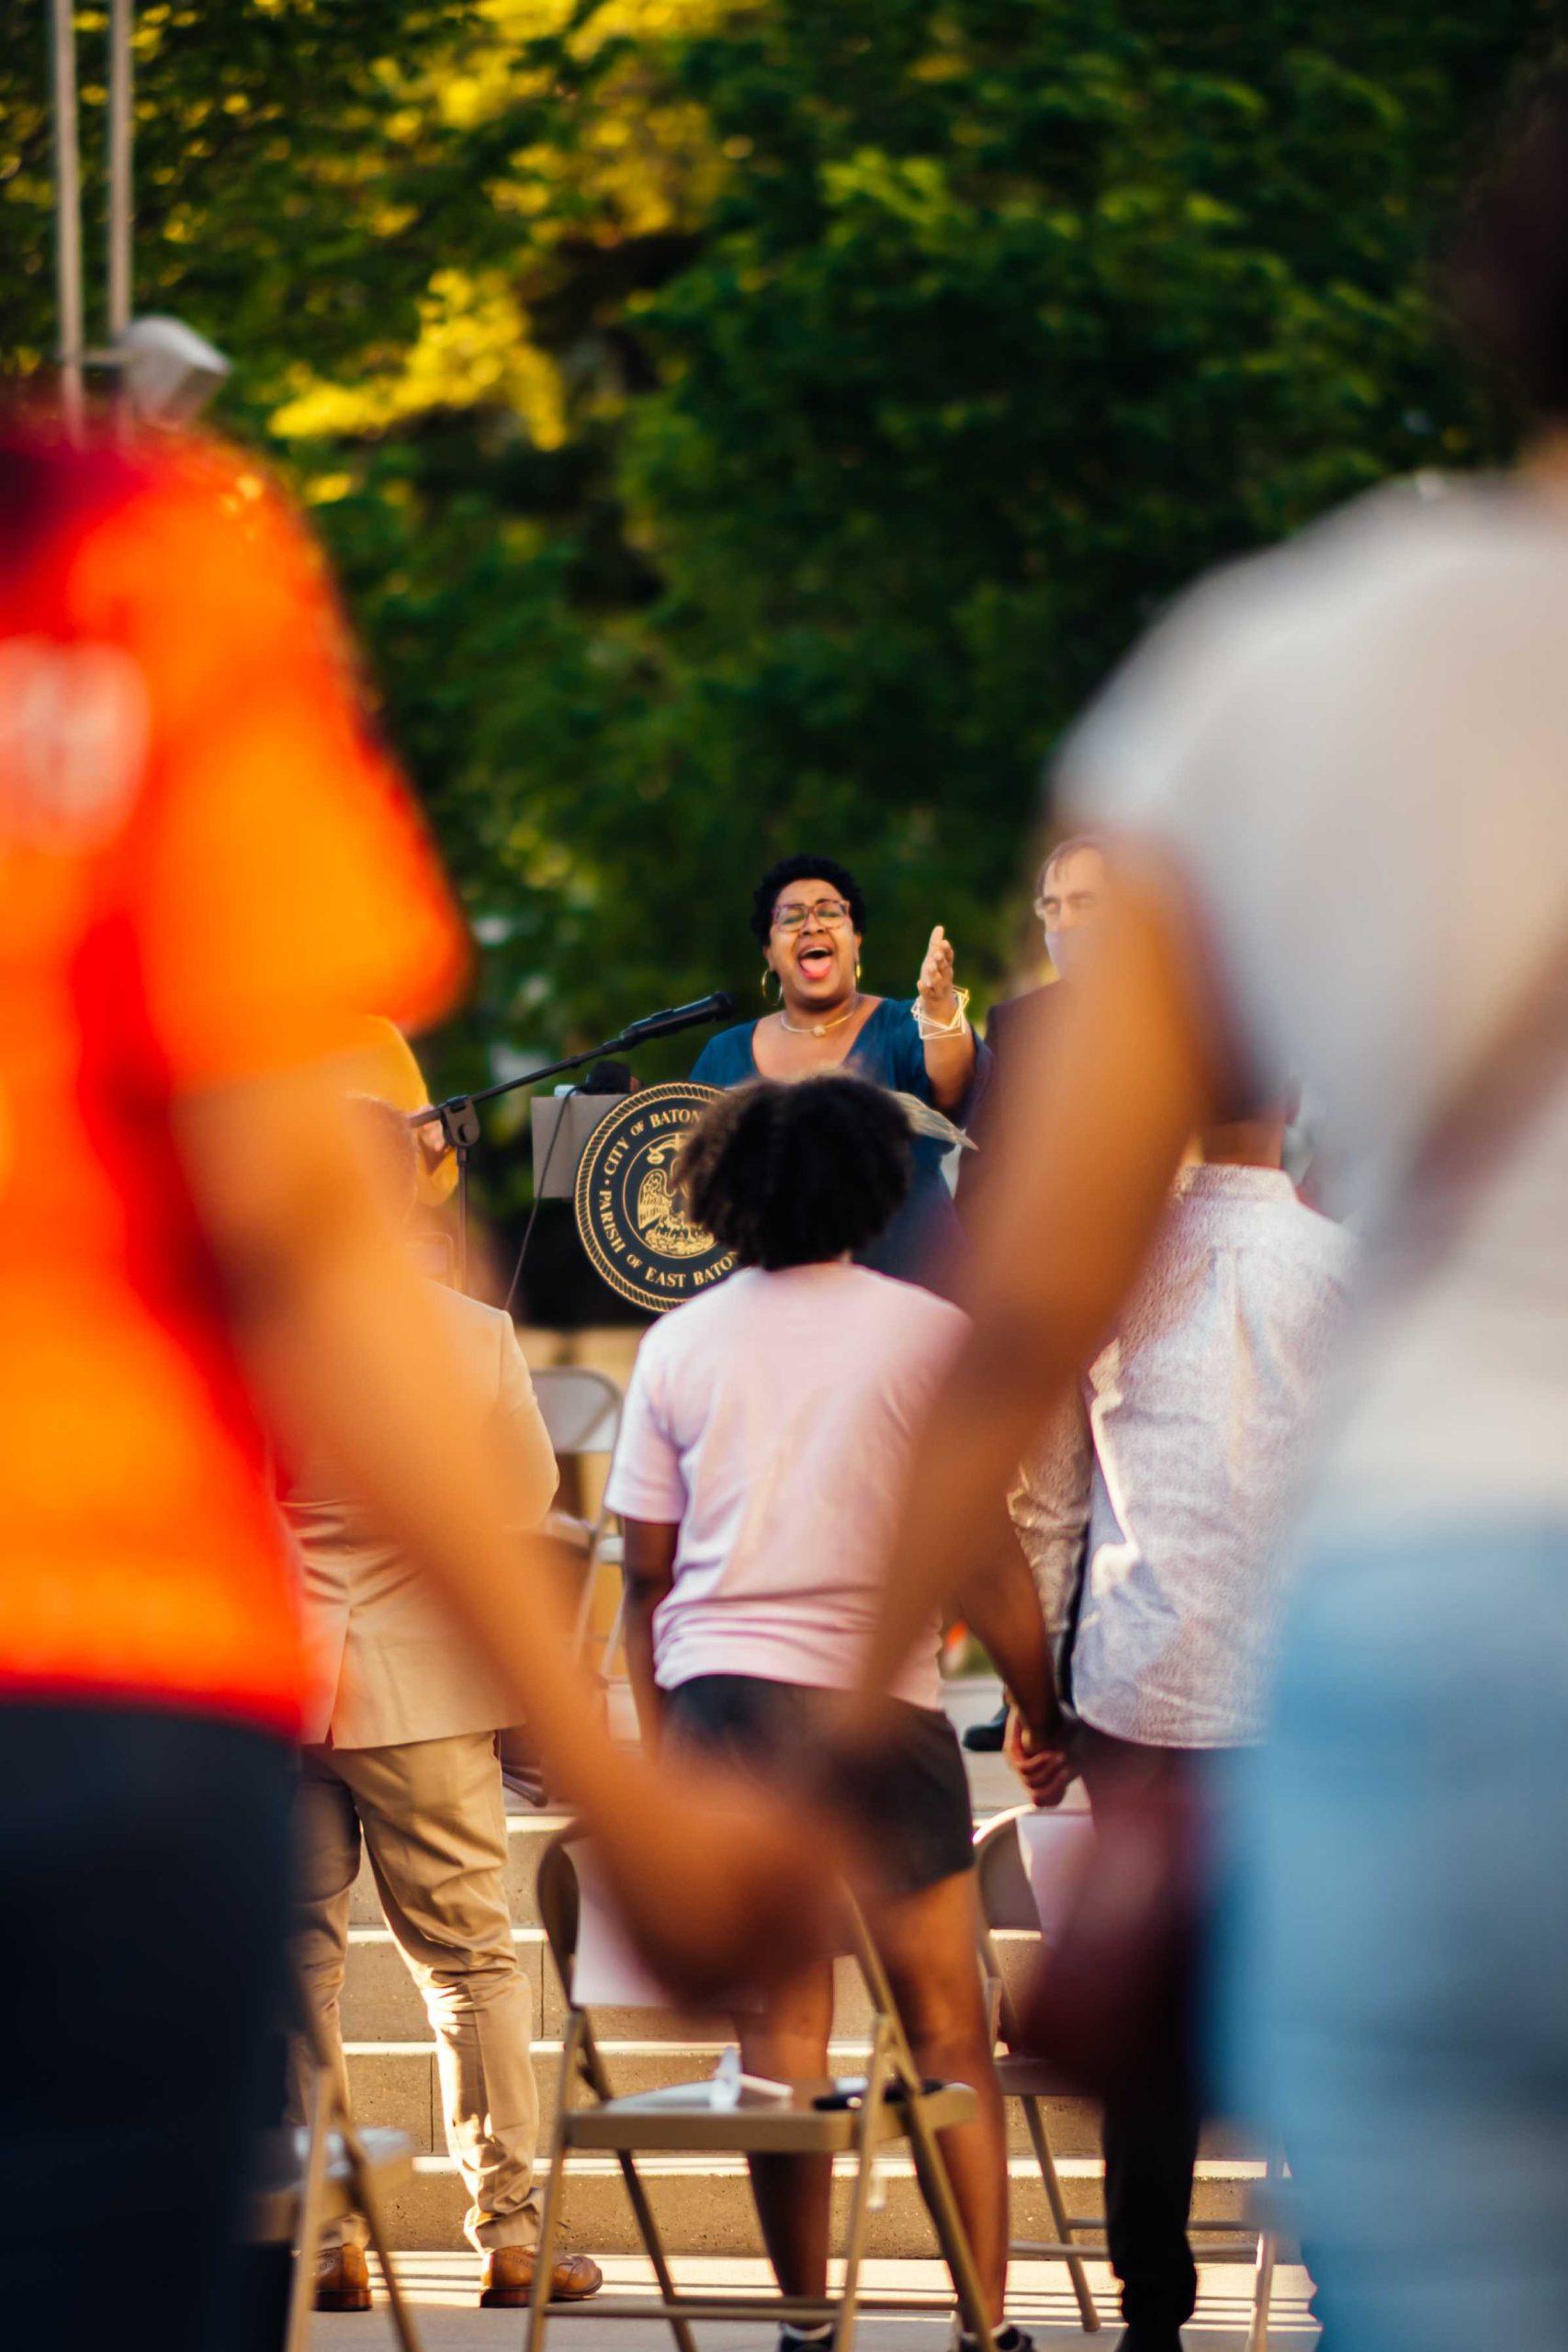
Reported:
(908, 1805)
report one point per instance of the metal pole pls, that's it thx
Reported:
(122, 131)
(68, 214)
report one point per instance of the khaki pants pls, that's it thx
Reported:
(432, 1818)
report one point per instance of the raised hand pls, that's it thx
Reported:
(935, 984)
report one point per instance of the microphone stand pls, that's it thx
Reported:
(459, 1120)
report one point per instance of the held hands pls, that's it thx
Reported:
(935, 986)
(1047, 1773)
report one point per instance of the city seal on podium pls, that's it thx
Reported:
(632, 1225)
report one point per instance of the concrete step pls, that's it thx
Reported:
(527, 1834)
(397, 2083)
(381, 2001)
(703, 2206)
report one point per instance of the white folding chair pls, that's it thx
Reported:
(1007, 1905)
(581, 1410)
(1026, 1864)
(310, 2175)
(594, 1964)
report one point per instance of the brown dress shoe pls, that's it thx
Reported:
(507, 2280)
(343, 2280)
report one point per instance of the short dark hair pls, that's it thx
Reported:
(794, 1175)
(1505, 282)
(1075, 844)
(765, 896)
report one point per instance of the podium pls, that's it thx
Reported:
(562, 1124)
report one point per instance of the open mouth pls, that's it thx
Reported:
(816, 962)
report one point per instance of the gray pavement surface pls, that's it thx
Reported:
(443, 2289)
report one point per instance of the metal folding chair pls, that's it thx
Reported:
(581, 1410)
(1006, 1902)
(310, 2175)
(1009, 1902)
(896, 2105)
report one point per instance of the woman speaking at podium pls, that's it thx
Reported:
(808, 917)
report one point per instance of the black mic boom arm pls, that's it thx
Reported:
(457, 1117)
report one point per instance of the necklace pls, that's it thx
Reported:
(820, 1028)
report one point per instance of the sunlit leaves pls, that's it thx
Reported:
(740, 423)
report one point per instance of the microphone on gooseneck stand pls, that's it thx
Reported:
(720, 1006)
(458, 1115)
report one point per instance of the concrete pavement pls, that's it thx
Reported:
(443, 2287)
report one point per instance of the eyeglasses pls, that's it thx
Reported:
(792, 916)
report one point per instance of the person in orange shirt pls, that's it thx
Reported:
(207, 877)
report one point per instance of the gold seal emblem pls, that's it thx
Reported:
(633, 1227)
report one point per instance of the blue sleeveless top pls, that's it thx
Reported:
(924, 1243)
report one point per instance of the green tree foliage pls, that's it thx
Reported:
(286, 187)
(746, 423)
(1015, 313)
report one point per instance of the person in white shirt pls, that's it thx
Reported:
(764, 1443)
(1337, 773)
(1173, 1489)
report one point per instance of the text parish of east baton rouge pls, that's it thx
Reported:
(633, 1226)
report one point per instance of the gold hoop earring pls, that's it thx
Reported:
(857, 967)
(768, 973)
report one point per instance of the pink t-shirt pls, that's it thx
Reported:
(772, 1419)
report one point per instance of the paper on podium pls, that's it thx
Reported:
(1054, 1847)
(561, 1126)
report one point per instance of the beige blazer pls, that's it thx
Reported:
(391, 1666)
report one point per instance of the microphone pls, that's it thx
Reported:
(717, 1007)
(460, 1121)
